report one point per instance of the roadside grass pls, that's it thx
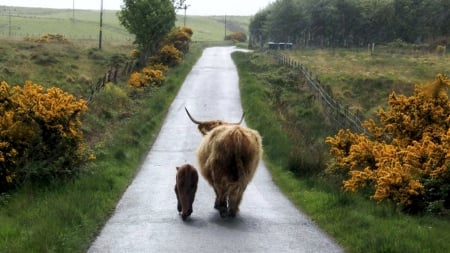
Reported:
(355, 222)
(67, 215)
(364, 81)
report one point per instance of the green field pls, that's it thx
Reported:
(85, 24)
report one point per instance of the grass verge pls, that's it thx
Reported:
(356, 223)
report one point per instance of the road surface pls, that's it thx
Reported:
(146, 217)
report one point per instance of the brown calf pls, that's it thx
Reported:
(185, 188)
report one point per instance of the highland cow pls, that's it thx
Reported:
(228, 156)
(185, 188)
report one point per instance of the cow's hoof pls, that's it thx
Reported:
(232, 212)
(223, 212)
(220, 206)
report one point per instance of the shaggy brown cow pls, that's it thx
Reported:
(185, 188)
(228, 157)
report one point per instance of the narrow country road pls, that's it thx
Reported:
(146, 218)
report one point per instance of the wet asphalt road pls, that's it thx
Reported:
(146, 218)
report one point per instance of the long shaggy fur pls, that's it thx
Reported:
(228, 157)
(185, 188)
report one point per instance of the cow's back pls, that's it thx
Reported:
(231, 152)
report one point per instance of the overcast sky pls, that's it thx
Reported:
(196, 7)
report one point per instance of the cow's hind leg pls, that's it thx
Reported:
(235, 199)
(221, 200)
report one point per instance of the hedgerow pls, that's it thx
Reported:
(405, 156)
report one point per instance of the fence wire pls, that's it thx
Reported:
(340, 114)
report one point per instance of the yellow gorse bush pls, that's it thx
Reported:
(405, 157)
(148, 77)
(49, 38)
(180, 38)
(168, 55)
(38, 125)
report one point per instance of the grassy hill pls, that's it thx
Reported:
(84, 24)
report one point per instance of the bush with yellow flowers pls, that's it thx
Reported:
(168, 55)
(405, 156)
(49, 38)
(171, 53)
(174, 46)
(180, 38)
(40, 133)
(150, 76)
(237, 37)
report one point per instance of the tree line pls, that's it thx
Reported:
(343, 23)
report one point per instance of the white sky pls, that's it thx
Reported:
(196, 7)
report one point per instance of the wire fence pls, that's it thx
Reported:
(340, 114)
(112, 75)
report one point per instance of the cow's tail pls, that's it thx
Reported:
(243, 153)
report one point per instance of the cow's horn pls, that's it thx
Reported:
(193, 120)
(242, 118)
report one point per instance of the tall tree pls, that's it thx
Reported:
(285, 21)
(257, 28)
(150, 21)
(409, 20)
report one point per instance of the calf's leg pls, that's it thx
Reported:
(178, 199)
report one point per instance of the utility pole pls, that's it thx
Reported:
(185, 8)
(179, 7)
(10, 21)
(101, 26)
(225, 27)
(73, 11)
